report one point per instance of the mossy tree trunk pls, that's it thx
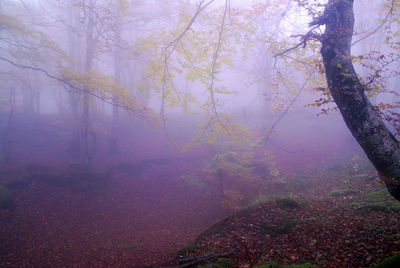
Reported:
(360, 116)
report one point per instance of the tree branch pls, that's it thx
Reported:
(167, 53)
(389, 14)
(213, 66)
(287, 108)
(302, 43)
(379, 70)
(142, 113)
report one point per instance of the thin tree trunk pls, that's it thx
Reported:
(6, 140)
(75, 51)
(113, 142)
(221, 174)
(28, 96)
(381, 147)
(90, 46)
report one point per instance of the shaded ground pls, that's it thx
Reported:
(356, 227)
(141, 219)
(142, 213)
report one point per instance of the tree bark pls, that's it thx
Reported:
(360, 116)
(113, 142)
(90, 47)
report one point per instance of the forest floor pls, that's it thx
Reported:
(142, 217)
(346, 229)
(130, 220)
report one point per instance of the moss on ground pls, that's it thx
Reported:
(286, 202)
(338, 192)
(306, 265)
(129, 245)
(187, 250)
(220, 262)
(77, 178)
(392, 262)
(283, 228)
(6, 199)
(17, 183)
(377, 200)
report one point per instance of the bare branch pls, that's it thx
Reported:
(213, 66)
(287, 108)
(141, 113)
(388, 15)
(380, 70)
(310, 33)
(303, 42)
(173, 43)
(167, 53)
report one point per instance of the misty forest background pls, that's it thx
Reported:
(147, 133)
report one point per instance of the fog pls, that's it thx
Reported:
(168, 133)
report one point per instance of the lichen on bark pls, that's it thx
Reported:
(364, 122)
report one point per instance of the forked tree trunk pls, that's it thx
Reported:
(381, 147)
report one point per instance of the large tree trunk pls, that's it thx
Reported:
(381, 147)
